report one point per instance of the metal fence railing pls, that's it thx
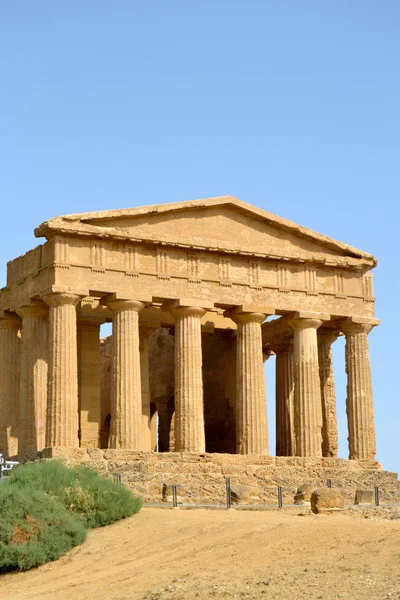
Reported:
(6, 465)
(229, 493)
(276, 498)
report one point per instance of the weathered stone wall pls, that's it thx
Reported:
(202, 477)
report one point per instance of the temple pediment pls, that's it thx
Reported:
(223, 224)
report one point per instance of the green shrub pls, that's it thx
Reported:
(46, 509)
(93, 499)
(34, 528)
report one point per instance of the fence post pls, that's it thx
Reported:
(376, 496)
(174, 496)
(228, 492)
(280, 498)
(329, 483)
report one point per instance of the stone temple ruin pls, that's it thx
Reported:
(188, 288)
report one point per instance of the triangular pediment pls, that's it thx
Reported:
(223, 224)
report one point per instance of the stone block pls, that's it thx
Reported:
(155, 489)
(109, 454)
(328, 462)
(77, 454)
(120, 454)
(189, 457)
(369, 465)
(167, 493)
(233, 470)
(244, 494)
(262, 459)
(207, 467)
(326, 500)
(263, 472)
(251, 470)
(119, 466)
(166, 467)
(95, 454)
(364, 497)
(233, 459)
(288, 461)
(311, 462)
(303, 493)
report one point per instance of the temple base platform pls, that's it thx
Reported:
(201, 478)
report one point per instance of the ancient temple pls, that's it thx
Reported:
(199, 294)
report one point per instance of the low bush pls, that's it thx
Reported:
(34, 528)
(46, 509)
(91, 498)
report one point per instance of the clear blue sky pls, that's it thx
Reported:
(291, 106)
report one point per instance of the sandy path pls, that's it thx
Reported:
(179, 554)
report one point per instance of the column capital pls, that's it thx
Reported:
(304, 319)
(61, 299)
(247, 313)
(36, 309)
(9, 320)
(267, 353)
(354, 325)
(184, 306)
(188, 311)
(282, 345)
(119, 305)
(327, 334)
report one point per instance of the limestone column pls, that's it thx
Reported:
(10, 325)
(251, 415)
(144, 334)
(33, 379)
(326, 337)
(189, 403)
(62, 399)
(284, 388)
(307, 387)
(126, 388)
(89, 382)
(359, 404)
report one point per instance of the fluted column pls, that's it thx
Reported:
(326, 337)
(189, 404)
(284, 388)
(307, 387)
(359, 403)
(10, 325)
(144, 334)
(62, 398)
(33, 379)
(126, 388)
(251, 410)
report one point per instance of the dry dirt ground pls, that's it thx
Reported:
(178, 554)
